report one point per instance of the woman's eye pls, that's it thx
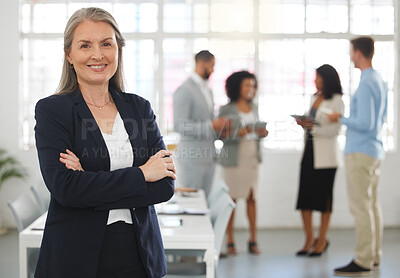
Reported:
(107, 44)
(84, 46)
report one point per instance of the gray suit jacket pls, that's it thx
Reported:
(230, 151)
(193, 121)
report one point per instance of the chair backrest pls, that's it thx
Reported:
(25, 211)
(42, 196)
(220, 217)
(216, 190)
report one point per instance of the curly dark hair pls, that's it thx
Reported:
(331, 81)
(234, 82)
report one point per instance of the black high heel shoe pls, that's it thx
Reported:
(231, 248)
(253, 248)
(318, 254)
(305, 252)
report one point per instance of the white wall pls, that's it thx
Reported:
(9, 130)
(278, 174)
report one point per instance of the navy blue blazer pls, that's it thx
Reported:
(80, 201)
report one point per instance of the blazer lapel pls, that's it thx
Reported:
(92, 129)
(133, 123)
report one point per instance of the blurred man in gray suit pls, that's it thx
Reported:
(194, 121)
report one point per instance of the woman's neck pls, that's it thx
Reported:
(97, 95)
(243, 105)
(319, 99)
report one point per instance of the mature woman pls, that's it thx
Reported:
(103, 159)
(320, 159)
(241, 156)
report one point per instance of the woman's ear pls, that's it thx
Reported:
(68, 57)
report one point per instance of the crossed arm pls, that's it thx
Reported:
(142, 186)
(158, 166)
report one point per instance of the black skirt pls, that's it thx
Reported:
(316, 185)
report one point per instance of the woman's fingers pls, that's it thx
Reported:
(171, 166)
(171, 174)
(71, 154)
(69, 164)
(163, 153)
(168, 159)
(159, 166)
(70, 160)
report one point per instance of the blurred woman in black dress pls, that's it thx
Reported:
(320, 159)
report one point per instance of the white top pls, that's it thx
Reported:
(248, 118)
(205, 89)
(121, 156)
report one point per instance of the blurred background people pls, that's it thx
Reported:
(240, 156)
(320, 159)
(194, 120)
(363, 155)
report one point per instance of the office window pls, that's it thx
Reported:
(139, 64)
(372, 17)
(282, 41)
(278, 17)
(330, 17)
(136, 17)
(231, 16)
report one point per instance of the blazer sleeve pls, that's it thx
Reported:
(54, 134)
(226, 111)
(159, 191)
(184, 123)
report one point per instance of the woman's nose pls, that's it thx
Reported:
(97, 53)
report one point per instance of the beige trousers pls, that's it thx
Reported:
(362, 175)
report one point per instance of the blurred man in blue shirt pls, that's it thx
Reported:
(363, 155)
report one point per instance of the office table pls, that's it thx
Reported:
(196, 231)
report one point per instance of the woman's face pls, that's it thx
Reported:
(248, 89)
(94, 53)
(319, 82)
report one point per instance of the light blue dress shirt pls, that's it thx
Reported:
(368, 111)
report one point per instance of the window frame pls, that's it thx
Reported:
(255, 35)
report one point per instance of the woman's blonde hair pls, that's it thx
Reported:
(69, 82)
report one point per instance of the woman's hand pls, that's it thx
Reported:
(262, 132)
(334, 117)
(299, 122)
(159, 166)
(223, 126)
(305, 123)
(71, 161)
(243, 131)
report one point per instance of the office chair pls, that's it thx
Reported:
(42, 196)
(25, 211)
(216, 190)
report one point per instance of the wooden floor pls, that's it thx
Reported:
(276, 261)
